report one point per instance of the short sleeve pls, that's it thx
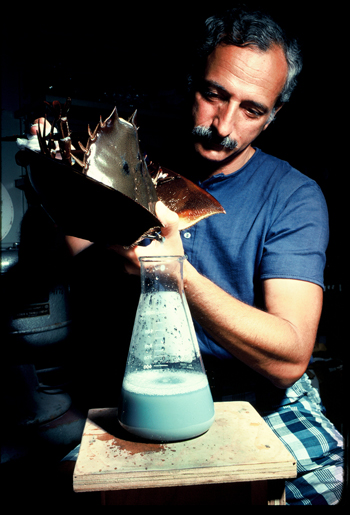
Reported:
(297, 239)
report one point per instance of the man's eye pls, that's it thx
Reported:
(253, 113)
(209, 94)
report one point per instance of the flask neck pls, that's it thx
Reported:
(162, 273)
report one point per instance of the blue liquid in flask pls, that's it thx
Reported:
(165, 394)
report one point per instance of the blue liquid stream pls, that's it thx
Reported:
(166, 406)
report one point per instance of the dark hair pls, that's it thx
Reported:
(240, 27)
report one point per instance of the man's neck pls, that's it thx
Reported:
(202, 169)
(234, 164)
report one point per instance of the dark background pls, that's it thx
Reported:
(137, 57)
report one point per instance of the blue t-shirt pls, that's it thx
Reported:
(275, 226)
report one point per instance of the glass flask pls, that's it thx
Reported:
(165, 394)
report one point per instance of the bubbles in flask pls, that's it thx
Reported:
(166, 381)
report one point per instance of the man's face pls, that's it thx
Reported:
(236, 98)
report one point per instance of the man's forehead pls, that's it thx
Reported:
(248, 67)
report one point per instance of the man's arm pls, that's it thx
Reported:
(277, 342)
(76, 245)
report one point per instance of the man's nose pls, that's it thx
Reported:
(225, 119)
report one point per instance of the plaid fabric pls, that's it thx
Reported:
(318, 448)
(72, 455)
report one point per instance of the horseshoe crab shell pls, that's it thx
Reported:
(113, 158)
(84, 207)
(111, 197)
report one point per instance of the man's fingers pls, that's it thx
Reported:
(169, 219)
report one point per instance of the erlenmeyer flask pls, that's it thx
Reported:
(165, 394)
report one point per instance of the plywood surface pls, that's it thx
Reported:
(238, 447)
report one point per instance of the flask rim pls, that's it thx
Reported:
(149, 259)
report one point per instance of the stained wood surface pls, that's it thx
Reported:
(239, 447)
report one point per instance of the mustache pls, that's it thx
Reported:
(210, 135)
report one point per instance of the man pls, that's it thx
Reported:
(254, 277)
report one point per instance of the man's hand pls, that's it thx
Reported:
(171, 244)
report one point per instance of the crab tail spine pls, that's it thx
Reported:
(82, 147)
(79, 161)
(132, 118)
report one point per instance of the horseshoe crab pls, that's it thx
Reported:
(108, 194)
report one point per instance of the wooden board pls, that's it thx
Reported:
(238, 447)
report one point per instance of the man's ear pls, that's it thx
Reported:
(272, 117)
